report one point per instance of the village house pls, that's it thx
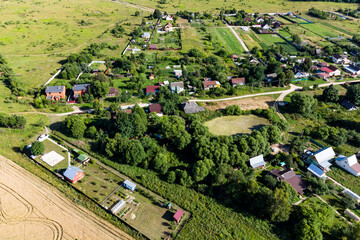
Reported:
(80, 90)
(349, 105)
(146, 35)
(112, 92)
(289, 176)
(331, 70)
(192, 107)
(152, 89)
(151, 76)
(298, 74)
(169, 18)
(177, 87)
(257, 162)
(152, 47)
(353, 70)
(211, 84)
(55, 93)
(270, 77)
(73, 174)
(237, 81)
(340, 59)
(349, 164)
(155, 108)
(178, 73)
(168, 27)
(322, 157)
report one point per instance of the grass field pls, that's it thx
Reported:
(250, 6)
(322, 30)
(190, 38)
(249, 39)
(37, 35)
(231, 125)
(50, 146)
(345, 178)
(227, 40)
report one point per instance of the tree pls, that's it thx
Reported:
(157, 14)
(233, 110)
(201, 169)
(296, 39)
(280, 207)
(161, 163)
(349, 202)
(307, 64)
(171, 178)
(78, 129)
(303, 104)
(137, 13)
(91, 132)
(37, 148)
(353, 94)
(98, 107)
(134, 153)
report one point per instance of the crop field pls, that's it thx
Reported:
(267, 40)
(227, 40)
(37, 35)
(231, 125)
(322, 30)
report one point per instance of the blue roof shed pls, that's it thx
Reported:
(129, 185)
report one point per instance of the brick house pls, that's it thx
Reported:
(55, 93)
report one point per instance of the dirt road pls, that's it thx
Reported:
(32, 209)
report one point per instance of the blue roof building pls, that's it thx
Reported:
(129, 185)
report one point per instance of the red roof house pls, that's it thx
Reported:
(152, 47)
(73, 174)
(289, 176)
(178, 215)
(237, 81)
(155, 107)
(112, 92)
(152, 89)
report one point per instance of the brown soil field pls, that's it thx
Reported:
(32, 209)
(262, 102)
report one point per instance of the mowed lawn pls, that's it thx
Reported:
(231, 125)
(227, 39)
(50, 146)
(35, 36)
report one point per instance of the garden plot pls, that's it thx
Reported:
(227, 39)
(166, 40)
(267, 40)
(144, 213)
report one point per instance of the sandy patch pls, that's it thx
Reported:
(32, 209)
(263, 102)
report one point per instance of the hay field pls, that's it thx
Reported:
(32, 209)
(36, 35)
(231, 125)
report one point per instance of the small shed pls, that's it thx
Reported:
(83, 158)
(73, 174)
(177, 216)
(118, 206)
(129, 185)
(257, 162)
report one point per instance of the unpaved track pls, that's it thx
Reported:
(32, 209)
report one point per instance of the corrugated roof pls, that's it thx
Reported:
(178, 215)
(324, 154)
(315, 170)
(257, 161)
(130, 184)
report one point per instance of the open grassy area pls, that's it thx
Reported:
(227, 40)
(345, 178)
(37, 35)
(50, 146)
(249, 38)
(231, 125)
(267, 40)
(250, 6)
(190, 38)
(169, 40)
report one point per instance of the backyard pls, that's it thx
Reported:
(231, 125)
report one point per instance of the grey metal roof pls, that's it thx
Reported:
(80, 87)
(257, 161)
(52, 89)
(130, 184)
